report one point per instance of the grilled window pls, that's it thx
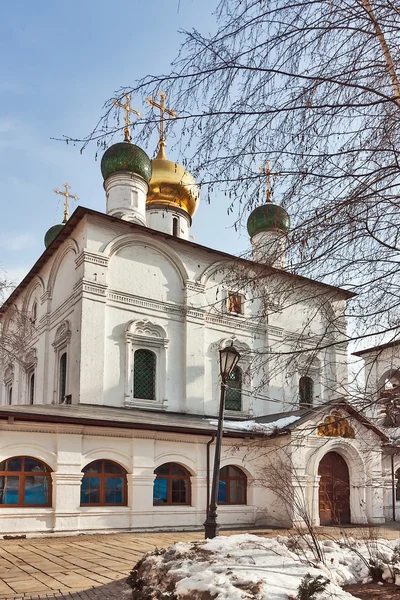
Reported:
(232, 486)
(103, 484)
(62, 387)
(171, 485)
(25, 481)
(31, 388)
(233, 398)
(306, 391)
(144, 375)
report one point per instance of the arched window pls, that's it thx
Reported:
(232, 486)
(171, 485)
(9, 393)
(34, 313)
(175, 226)
(31, 387)
(103, 484)
(306, 391)
(24, 481)
(144, 375)
(233, 398)
(62, 383)
(398, 485)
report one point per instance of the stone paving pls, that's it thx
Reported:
(89, 567)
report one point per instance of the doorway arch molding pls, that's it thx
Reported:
(357, 475)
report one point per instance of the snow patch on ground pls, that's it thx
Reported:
(245, 566)
(254, 427)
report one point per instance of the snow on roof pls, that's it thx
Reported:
(254, 427)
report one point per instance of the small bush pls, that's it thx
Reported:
(310, 587)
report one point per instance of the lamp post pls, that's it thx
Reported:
(228, 359)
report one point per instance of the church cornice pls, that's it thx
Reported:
(156, 305)
(91, 257)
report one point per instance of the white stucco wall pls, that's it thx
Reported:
(108, 275)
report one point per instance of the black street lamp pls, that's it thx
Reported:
(228, 359)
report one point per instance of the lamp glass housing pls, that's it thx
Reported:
(228, 359)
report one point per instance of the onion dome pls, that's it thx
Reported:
(125, 156)
(172, 185)
(268, 217)
(52, 233)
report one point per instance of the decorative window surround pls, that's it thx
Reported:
(246, 383)
(61, 346)
(146, 335)
(8, 384)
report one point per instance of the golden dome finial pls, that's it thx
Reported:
(269, 185)
(66, 195)
(161, 129)
(127, 108)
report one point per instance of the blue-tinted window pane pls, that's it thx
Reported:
(160, 491)
(222, 491)
(179, 491)
(236, 491)
(114, 490)
(36, 490)
(9, 490)
(93, 467)
(14, 464)
(31, 464)
(90, 490)
(112, 467)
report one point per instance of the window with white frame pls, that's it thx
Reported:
(61, 347)
(306, 391)
(34, 312)
(144, 374)
(8, 385)
(309, 382)
(233, 394)
(31, 387)
(146, 345)
(30, 360)
(238, 396)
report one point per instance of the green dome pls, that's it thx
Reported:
(268, 217)
(125, 156)
(52, 234)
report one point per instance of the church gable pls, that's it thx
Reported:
(339, 421)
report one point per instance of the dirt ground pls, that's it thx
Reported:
(374, 591)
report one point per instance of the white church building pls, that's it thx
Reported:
(108, 421)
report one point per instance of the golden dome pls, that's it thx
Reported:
(172, 185)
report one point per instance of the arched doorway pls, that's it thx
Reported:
(334, 490)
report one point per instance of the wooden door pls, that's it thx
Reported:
(334, 490)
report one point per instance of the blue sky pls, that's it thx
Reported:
(60, 62)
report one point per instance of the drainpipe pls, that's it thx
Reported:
(393, 490)
(208, 472)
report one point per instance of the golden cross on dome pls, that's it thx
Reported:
(268, 183)
(66, 195)
(127, 108)
(163, 109)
